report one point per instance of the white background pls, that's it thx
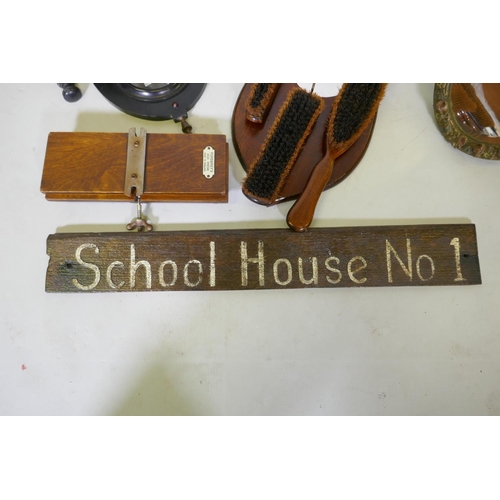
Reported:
(373, 351)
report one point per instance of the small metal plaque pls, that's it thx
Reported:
(209, 162)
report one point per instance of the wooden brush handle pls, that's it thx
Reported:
(300, 216)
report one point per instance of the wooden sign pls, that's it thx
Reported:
(264, 259)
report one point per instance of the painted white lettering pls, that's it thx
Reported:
(134, 266)
(456, 243)
(187, 282)
(245, 260)
(109, 278)
(432, 267)
(352, 271)
(288, 267)
(389, 249)
(212, 264)
(161, 273)
(88, 266)
(333, 270)
(314, 279)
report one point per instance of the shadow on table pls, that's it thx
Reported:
(155, 394)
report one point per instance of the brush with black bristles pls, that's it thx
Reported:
(285, 140)
(260, 100)
(353, 110)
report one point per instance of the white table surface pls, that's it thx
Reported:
(366, 351)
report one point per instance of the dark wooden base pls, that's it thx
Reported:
(249, 137)
(427, 255)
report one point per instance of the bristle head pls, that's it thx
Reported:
(285, 139)
(354, 108)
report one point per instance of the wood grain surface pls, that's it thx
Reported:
(91, 166)
(426, 255)
(249, 137)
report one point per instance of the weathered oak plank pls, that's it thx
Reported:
(425, 255)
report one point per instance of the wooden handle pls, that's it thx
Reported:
(300, 216)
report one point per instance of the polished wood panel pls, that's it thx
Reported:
(91, 166)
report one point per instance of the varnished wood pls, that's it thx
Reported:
(91, 166)
(301, 214)
(492, 96)
(249, 137)
(427, 255)
(367, 98)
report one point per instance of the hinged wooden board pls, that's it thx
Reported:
(91, 166)
(426, 255)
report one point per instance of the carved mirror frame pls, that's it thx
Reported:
(472, 144)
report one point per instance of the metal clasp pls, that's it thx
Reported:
(136, 163)
(139, 222)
